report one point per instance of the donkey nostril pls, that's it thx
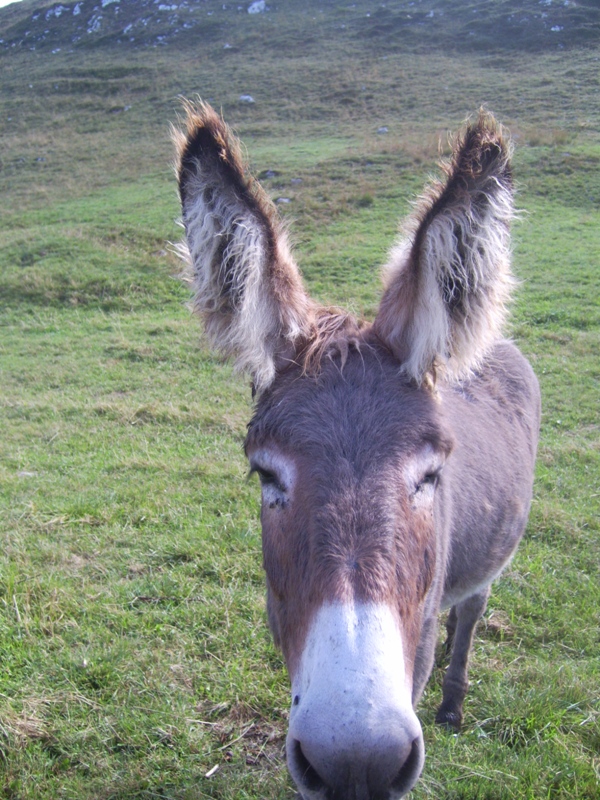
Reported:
(411, 769)
(296, 700)
(382, 770)
(310, 777)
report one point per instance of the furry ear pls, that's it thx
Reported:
(246, 285)
(448, 280)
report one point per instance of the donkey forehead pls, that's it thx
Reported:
(350, 415)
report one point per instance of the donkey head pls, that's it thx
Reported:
(349, 438)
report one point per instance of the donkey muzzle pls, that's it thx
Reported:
(353, 733)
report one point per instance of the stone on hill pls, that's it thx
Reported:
(257, 7)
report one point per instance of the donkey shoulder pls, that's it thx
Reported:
(503, 395)
(495, 420)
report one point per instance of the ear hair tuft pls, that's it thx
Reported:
(246, 285)
(449, 279)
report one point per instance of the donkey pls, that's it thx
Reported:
(396, 458)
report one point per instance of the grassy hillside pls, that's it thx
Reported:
(498, 24)
(134, 654)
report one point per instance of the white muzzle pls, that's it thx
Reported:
(353, 734)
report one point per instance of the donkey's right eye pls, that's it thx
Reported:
(273, 492)
(276, 474)
(266, 477)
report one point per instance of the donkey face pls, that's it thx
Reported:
(349, 439)
(349, 462)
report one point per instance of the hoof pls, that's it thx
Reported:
(449, 718)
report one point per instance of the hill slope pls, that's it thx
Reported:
(87, 88)
(495, 24)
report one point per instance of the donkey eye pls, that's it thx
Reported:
(273, 491)
(266, 477)
(428, 482)
(431, 478)
(276, 474)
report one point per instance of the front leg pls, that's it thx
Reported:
(456, 683)
(450, 632)
(424, 657)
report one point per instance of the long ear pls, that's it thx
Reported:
(246, 285)
(448, 281)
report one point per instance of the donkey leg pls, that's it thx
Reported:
(456, 682)
(450, 631)
(424, 657)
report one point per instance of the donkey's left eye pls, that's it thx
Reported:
(431, 478)
(428, 482)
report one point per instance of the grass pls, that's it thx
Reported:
(134, 652)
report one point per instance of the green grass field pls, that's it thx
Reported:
(134, 651)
